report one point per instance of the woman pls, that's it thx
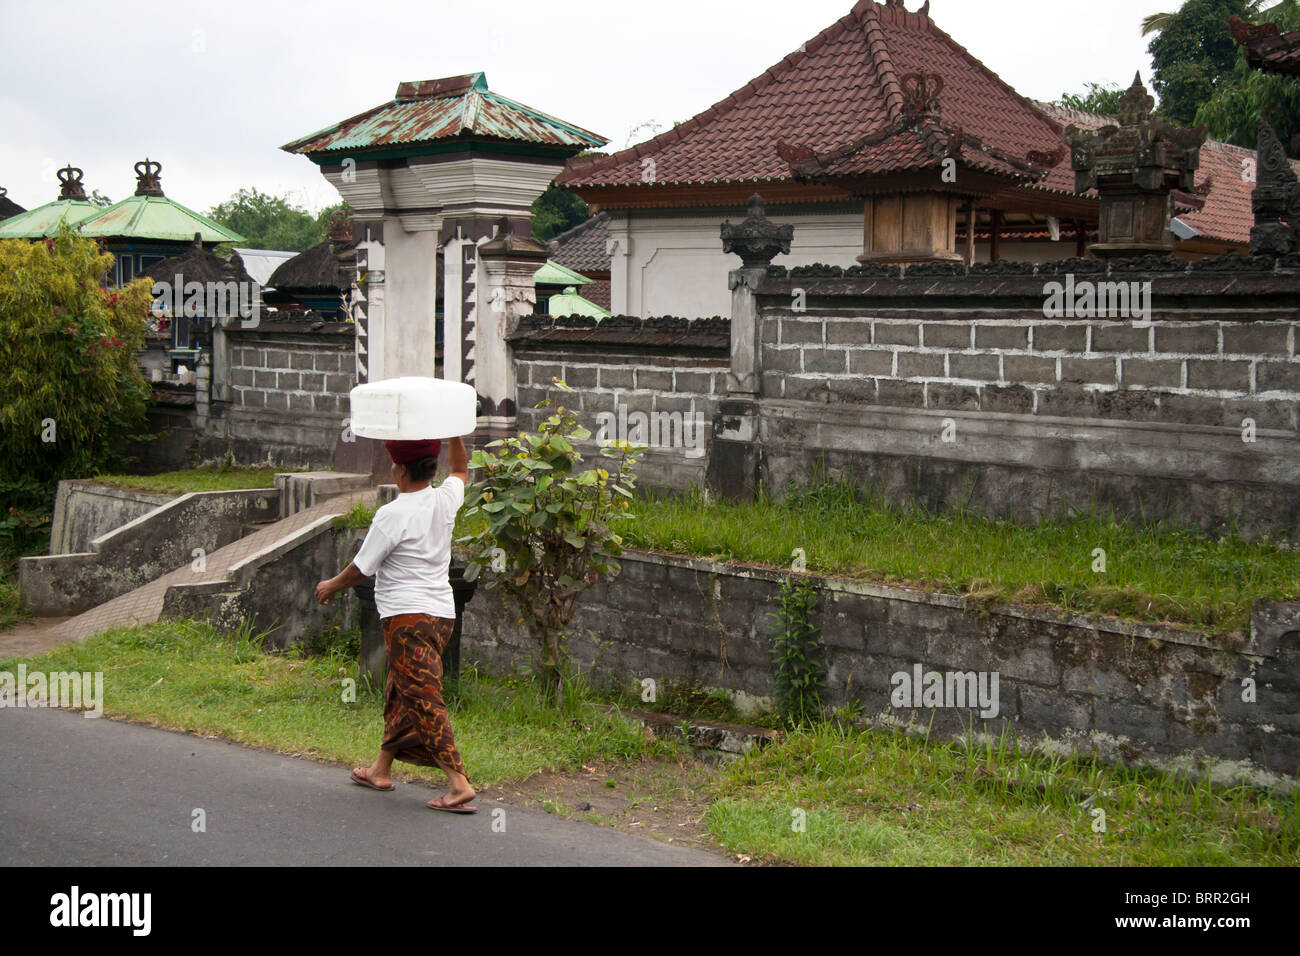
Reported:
(408, 550)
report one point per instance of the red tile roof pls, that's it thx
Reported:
(1227, 214)
(1267, 48)
(830, 96)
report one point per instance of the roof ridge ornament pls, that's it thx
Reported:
(70, 183)
(148, 179)
(921, 93)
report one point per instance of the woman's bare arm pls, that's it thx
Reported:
(458, 460)
(348, 577)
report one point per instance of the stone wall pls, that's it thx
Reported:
(1077, 682)
(669, 370)
(279, 392)
(950, 386)
(163, 539)
(84, 510)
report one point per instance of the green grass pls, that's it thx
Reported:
(1153, 574)
(194, 479)
(886, 798)
(358, 516)
(183, 676)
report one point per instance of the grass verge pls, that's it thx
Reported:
(831, 795)
(194, 479)
(1154, 574)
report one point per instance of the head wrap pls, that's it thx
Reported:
(405, 452)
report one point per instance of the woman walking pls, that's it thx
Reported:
(408, 550)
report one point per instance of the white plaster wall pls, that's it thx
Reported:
(676, 266)
(410, 297)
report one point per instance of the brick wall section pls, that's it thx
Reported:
(1199, 371)
(1218, 346)
(671, 370)
(288, 385)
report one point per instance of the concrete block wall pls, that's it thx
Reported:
(281, 394)
(1194, 371)
(954, 387)
(671, 370)
(1067, 682)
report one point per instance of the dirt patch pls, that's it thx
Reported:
(30, 638)
(662, 799)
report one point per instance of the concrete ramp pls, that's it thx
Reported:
(227, 572)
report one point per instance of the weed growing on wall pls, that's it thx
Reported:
(797, 667)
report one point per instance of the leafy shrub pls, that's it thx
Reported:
(71, 394)
(545, 527)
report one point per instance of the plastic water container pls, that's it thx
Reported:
(408, 409)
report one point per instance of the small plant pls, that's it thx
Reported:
(359, 516)
(797, 655)
(546, 527)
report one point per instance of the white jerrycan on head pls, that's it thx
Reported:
(413, 408)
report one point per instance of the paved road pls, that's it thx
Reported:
(95, 792)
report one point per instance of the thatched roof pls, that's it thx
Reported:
(325, 267)
(200, 265)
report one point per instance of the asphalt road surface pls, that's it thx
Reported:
(97, 792)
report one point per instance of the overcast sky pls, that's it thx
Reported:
(212, 90)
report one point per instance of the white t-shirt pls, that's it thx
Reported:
(408, 550)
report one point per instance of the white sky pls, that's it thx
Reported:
(212, 90)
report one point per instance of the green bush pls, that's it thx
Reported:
(71, 393)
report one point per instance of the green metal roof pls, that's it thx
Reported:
(569, 302)
(555, 274)
(455, 107)
(155, 217)
(45, 221)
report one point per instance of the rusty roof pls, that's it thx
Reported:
(453, 108)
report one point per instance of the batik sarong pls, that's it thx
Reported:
(416, 725)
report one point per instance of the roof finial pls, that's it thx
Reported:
(149, 181)
(70, 183)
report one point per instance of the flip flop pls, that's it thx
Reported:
(461, 807)
(361, 777)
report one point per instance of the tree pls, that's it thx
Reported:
(1099, 98)
(545, 527)
(1244, 96)
(270, 222)
(99, 199)
(555, 211)
(1192, 48)
(1201, 76)
(71, 393)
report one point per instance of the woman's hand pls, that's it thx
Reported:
(347, 578)
(325, 590)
